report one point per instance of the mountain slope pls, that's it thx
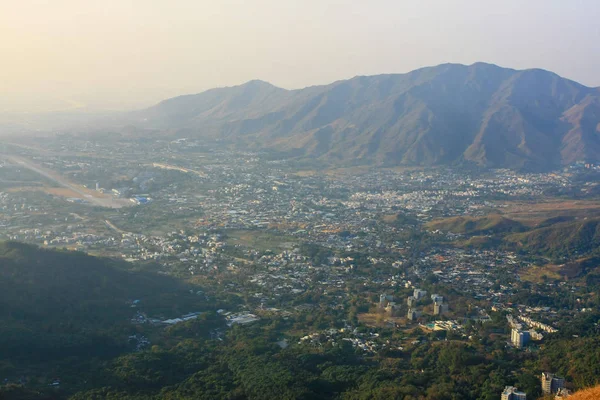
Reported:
(491, 224)
(450, 113)
(562, 239)
(587, 394)
(55, 304)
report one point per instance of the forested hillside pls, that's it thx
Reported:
(62, 310)
(561, 239)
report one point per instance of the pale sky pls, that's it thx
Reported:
(123, 54)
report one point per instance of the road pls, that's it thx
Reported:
(107, 202)
(113, 227)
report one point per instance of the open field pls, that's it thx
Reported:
(354, 170)
(381, 320)
(56, 191)
(306, 173)
(373, 319)
(389, 218)
(537, 274)
(567, 271)
(377, 319)
(260, 240)
(531, 213)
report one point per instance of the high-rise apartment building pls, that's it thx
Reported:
(551, 383)
(519, 338)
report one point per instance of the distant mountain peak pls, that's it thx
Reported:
(446, 114)
(260, 83)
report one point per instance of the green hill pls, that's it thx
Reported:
(55, 305)
(562, 239)
(490, 224)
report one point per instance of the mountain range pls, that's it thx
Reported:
(449, 114)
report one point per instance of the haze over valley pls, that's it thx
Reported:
(402, 201)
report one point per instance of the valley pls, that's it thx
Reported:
(378, 270)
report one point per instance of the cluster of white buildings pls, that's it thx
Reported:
(537, 324)
(512, 393)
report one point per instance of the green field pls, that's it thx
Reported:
(261, 240)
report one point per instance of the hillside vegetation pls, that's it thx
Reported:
(490, 224)
(587, 394)
(557, 237)
(55, 305)
(562, 239)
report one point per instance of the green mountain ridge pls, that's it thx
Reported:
(556, 237)
(59, 304)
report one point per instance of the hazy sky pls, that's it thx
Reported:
(118, 54)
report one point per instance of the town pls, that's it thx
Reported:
(362, 245)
